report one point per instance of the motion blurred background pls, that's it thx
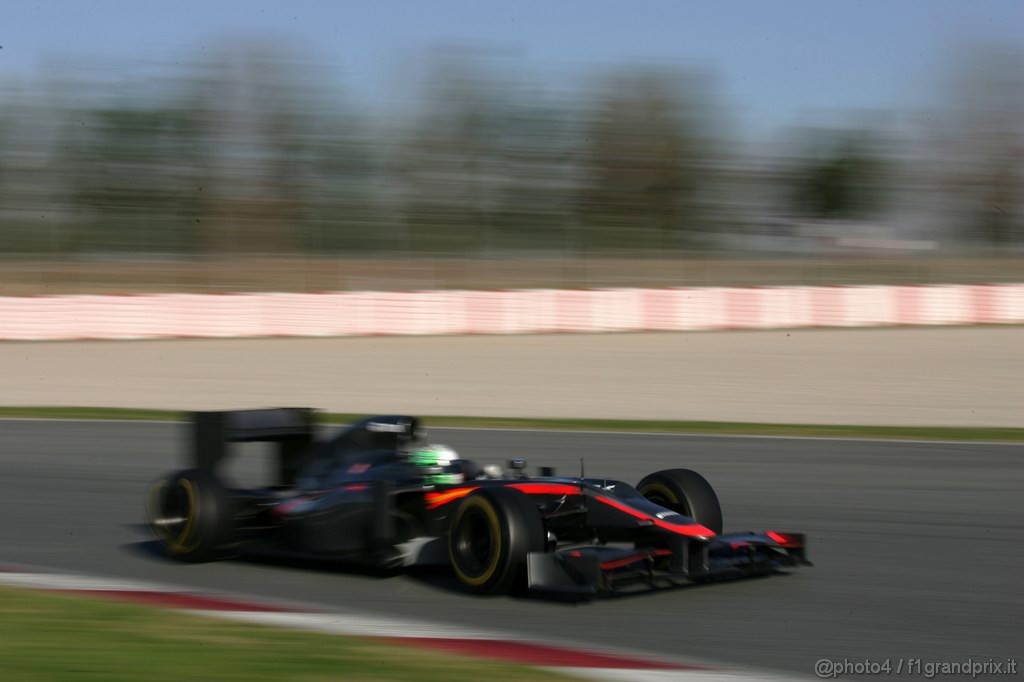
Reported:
(398, 145)
(314, 146)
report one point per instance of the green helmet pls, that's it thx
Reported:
(437, 464)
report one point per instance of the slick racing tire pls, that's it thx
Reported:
(491, 533)
(686, 492)
(190, 514)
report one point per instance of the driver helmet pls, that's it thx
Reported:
(437, 463)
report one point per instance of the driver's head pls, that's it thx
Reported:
(437, 463)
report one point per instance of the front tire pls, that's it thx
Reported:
(190, 514)
(491, 533)
(686, 492)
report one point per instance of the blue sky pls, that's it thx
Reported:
(774, 60)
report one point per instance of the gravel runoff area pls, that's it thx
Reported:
(928, 377)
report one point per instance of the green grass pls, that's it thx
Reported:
(960, 433)
(57, 637)
(90, 413)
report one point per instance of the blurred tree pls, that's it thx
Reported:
(981, 139)
(838, 178)
(31, 207)
(449, 165)
(255, 102)
(488, 166)
(538, 166)
(241, 153)
(133, 182)
(343, 212)
(644, 157)
(5, 127)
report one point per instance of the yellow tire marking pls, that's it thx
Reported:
(154, 510)
(662, 490)
(182, 544)
(492, 519)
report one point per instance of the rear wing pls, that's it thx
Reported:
(293, 429)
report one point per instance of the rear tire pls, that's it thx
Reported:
(686, 492)
(491, 533)
(190, 514)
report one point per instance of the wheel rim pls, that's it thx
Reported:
(475, 542)
(665, 497)
(175, 509)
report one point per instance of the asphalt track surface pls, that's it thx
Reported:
(918, 546)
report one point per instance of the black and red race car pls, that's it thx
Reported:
(368, 495)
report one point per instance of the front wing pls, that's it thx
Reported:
(595, 569)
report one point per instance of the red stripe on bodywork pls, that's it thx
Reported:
(287, 506)
(435, 500)
(693, 530)
(784, 540)
(546, 488)
(632, 559)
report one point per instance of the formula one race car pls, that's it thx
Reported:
(379, 493)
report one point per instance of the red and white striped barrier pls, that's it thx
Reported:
(517, 311)
(581, 662)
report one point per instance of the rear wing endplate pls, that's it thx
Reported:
(293, 429)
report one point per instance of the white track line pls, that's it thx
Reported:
(353, 625)
(616, 675)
